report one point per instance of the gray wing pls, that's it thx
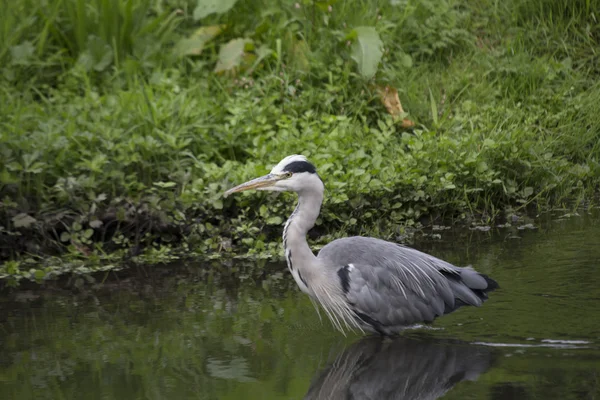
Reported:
(391, 286)
(403, 368)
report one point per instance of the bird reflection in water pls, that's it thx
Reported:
(400, 368)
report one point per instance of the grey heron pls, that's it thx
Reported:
(364, 283)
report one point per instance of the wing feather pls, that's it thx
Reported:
(399, 286)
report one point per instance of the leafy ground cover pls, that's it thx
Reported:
(123, 122)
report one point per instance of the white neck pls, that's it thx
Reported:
(300, 258)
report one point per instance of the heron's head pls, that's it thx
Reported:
(293, 174)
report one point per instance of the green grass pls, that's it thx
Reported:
(115, 146)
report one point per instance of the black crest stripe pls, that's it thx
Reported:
(300, 166)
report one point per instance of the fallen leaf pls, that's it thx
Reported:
(82, 249)
(390, 99)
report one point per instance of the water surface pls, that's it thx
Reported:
(246, 332)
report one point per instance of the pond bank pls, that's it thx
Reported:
(76, 274)
(111, 152)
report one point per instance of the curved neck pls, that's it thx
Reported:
(297, 252)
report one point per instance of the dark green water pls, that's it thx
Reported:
(248, 333)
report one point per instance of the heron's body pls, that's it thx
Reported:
(366, 283)
(396, 286)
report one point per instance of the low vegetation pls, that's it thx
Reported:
(123, 122)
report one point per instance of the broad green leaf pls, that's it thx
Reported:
(165, 185)
(324, 5)
(39, 274)
(22, 53)
(12, 267)
(489, 143)
(263, 211)
(193, 45)
(416, 144)
(261, 53)
(96, 223)
(207, 7)
(97, 56)
(528, 191)
(231, 55)
(274, 220)
(101, 52)
(406, 60)
(299, 55)
(23, 220)
(101, 197)
(367, 50)
(65, 237)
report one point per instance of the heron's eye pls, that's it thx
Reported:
(288, 174)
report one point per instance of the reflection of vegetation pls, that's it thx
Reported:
(123, 122)
(178, 339)
(247, 332)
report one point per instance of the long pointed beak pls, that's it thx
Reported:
(258, 183)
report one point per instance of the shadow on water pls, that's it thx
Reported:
(400, 368)
(241, 331)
